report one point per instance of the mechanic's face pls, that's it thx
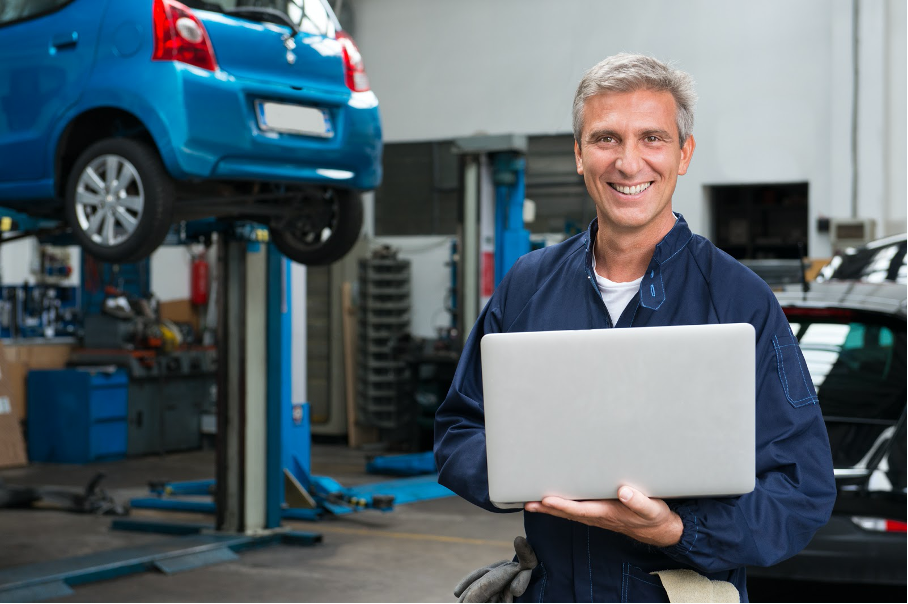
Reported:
(630, 159)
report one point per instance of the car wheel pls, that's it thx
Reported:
(119, 200)
(321, 230)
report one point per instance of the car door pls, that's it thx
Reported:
(46, 53)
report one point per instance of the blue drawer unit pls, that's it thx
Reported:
(76, 415)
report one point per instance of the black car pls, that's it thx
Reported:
(852, 335)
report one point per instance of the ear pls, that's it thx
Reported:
(578, 158)
(687, 152)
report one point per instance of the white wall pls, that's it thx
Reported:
(896, 151)
(18, 258)
(170, 273)
(774, 78)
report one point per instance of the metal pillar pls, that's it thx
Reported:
(250, 388)
(511, 239)
(253, 386)
(491, 232)
(469, 251)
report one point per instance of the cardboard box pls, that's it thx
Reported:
(180, 311)
(14, 376)
(39, 356)
(20, 359)
(12, 443)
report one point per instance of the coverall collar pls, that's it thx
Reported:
(652, 291)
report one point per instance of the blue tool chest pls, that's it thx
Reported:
(77, 415)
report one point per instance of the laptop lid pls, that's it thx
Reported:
(577, 414)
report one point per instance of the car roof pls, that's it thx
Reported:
(887, 297)
(886, 241)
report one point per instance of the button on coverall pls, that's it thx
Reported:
(688, 281)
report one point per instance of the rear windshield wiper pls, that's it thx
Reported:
(270, 15)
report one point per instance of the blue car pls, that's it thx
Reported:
(123, 117)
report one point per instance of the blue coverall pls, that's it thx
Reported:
(688, 281)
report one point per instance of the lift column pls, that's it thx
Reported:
(253, 384)
(492, 234)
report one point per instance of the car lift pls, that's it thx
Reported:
(305, 496)
(263, 461)
(494, 236)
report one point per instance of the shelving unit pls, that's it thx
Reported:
(384, 317)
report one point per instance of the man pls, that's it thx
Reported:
(640, 265)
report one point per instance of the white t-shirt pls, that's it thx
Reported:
(616, 295)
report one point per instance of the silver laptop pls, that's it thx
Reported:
(667, 410)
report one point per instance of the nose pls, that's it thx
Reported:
(629, 160)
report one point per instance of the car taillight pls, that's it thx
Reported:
(794, 312)
(354, 70)
(180, 36)
(879, 525)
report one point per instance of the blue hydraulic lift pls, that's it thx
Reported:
(300, 495)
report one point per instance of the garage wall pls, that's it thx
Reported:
(774, 78)
(896, 115)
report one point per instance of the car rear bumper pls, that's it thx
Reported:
(841, 552)
(215, 134)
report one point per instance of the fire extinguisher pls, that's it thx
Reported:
(199, 285)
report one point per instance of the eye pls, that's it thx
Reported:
(605, 139)
(652, 138)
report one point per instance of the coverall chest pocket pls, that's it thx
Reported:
(640, 586)
(795, 379)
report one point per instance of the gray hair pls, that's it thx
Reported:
(628, 73)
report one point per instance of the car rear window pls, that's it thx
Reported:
(17, 10)
(858, 368)
(872, 264)
(310, 16)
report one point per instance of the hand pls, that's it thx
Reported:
(633, 514)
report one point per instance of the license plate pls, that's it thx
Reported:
(294, 119)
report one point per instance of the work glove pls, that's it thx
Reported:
(501, 581)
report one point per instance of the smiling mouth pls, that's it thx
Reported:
(632, 190)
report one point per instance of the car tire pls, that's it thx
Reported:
(320, 231)
(114, 222)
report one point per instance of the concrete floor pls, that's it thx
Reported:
(416, 553)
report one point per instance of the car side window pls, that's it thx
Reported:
(857, 368)
(19, 10)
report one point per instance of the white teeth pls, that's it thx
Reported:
(632, 190)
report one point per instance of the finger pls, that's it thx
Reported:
(581, 509)
(639, 503)
(520, 582)
(468, 580)
(491, 583)
(473, 576)
(539, 508)
(593, 513)
(525, 553)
